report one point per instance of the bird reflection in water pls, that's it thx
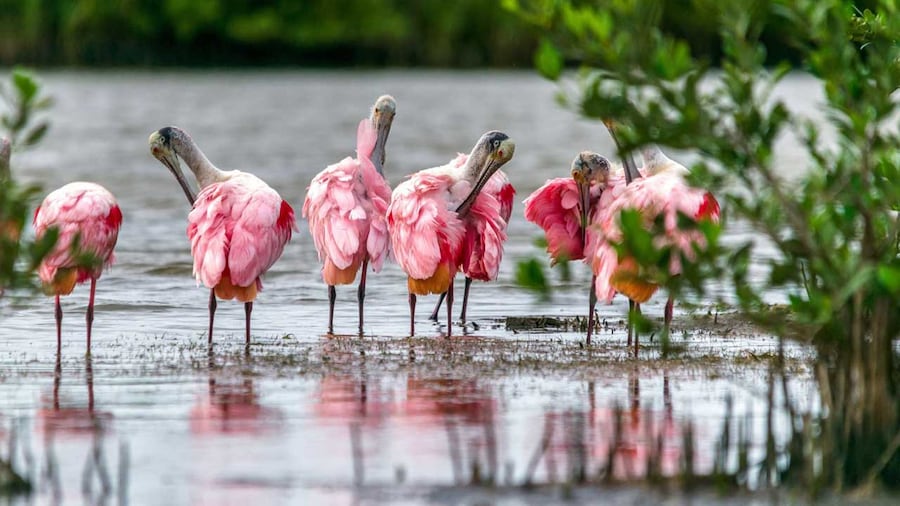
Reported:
(468, 411)
(74, 418)
(621, 444)
(231, 405)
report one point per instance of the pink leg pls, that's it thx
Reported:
(450, 309)
(332, 296)
(58, 325)
(361, 294)
(89, 315)
(462, 316)
(212, 313)
(412, 314)
(248, 308)
(592, 303)
(670, 308)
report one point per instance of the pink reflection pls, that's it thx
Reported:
(347, 398)
(55, 418)
(464, 400)
(231, 407)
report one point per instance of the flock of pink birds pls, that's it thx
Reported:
(436, 223)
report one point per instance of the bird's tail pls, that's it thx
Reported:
(63, 282)
(627, 280)
(226, 290)
(438, 283)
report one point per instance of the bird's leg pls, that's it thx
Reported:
(361, 294)
(592, 303)
(412, 314)
(630, 324)
(89, 314)
(58, 325)
(462, 315)
(248, 308)
(212, 313)
(450, 309)
(437, 307)
(670, 308)
(332, 296)
(637, 312)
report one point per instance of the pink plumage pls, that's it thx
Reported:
(663, 192)
(346, 206)
(556, 208)
(87, 219)
(426, 233)
(238, 229)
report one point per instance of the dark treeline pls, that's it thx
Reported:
(334, 33)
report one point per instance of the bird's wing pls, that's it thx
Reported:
(337, 216)
(423, 231)
(88, 219)
(554, 208)
(240, 224)
(485, 236)
(502, 190)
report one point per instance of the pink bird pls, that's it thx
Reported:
(238, 226)
(346, 205)
(428, 213)
(565, 207)
(87, 219)
(662, 192)
(481, 258)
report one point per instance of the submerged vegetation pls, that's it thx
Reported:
(836, 228)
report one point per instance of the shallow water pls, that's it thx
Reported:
(278, 427)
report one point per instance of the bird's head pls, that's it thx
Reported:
(588, 168)
(382, 117)
(491, 151)
(164, 145)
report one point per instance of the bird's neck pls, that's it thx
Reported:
(474, 163)
(204, 170)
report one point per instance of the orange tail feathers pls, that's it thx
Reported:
(225, 290)
(335, 276)
(63, 283)
(438, 283)
(627, 281)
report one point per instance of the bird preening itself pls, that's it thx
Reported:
(87, 220)
(238, 226)
(428, 213)
(346, 205)
(663, 193)
(482, 254)
(565, 208)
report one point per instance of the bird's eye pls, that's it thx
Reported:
(496, 144)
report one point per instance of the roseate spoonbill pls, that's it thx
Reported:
(565, 207)
(428, 213)
(480, 260)
(238, 226)
(87, 219)
(663, 192)
(346, 205)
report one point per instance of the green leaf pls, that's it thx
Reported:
(26, 85)
(548, 60)
(889, 277)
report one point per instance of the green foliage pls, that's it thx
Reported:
(286, 32)
(23, 102)
(530, 275)
(20, 258)
(836, 228)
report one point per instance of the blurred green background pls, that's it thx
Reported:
(323, 33)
